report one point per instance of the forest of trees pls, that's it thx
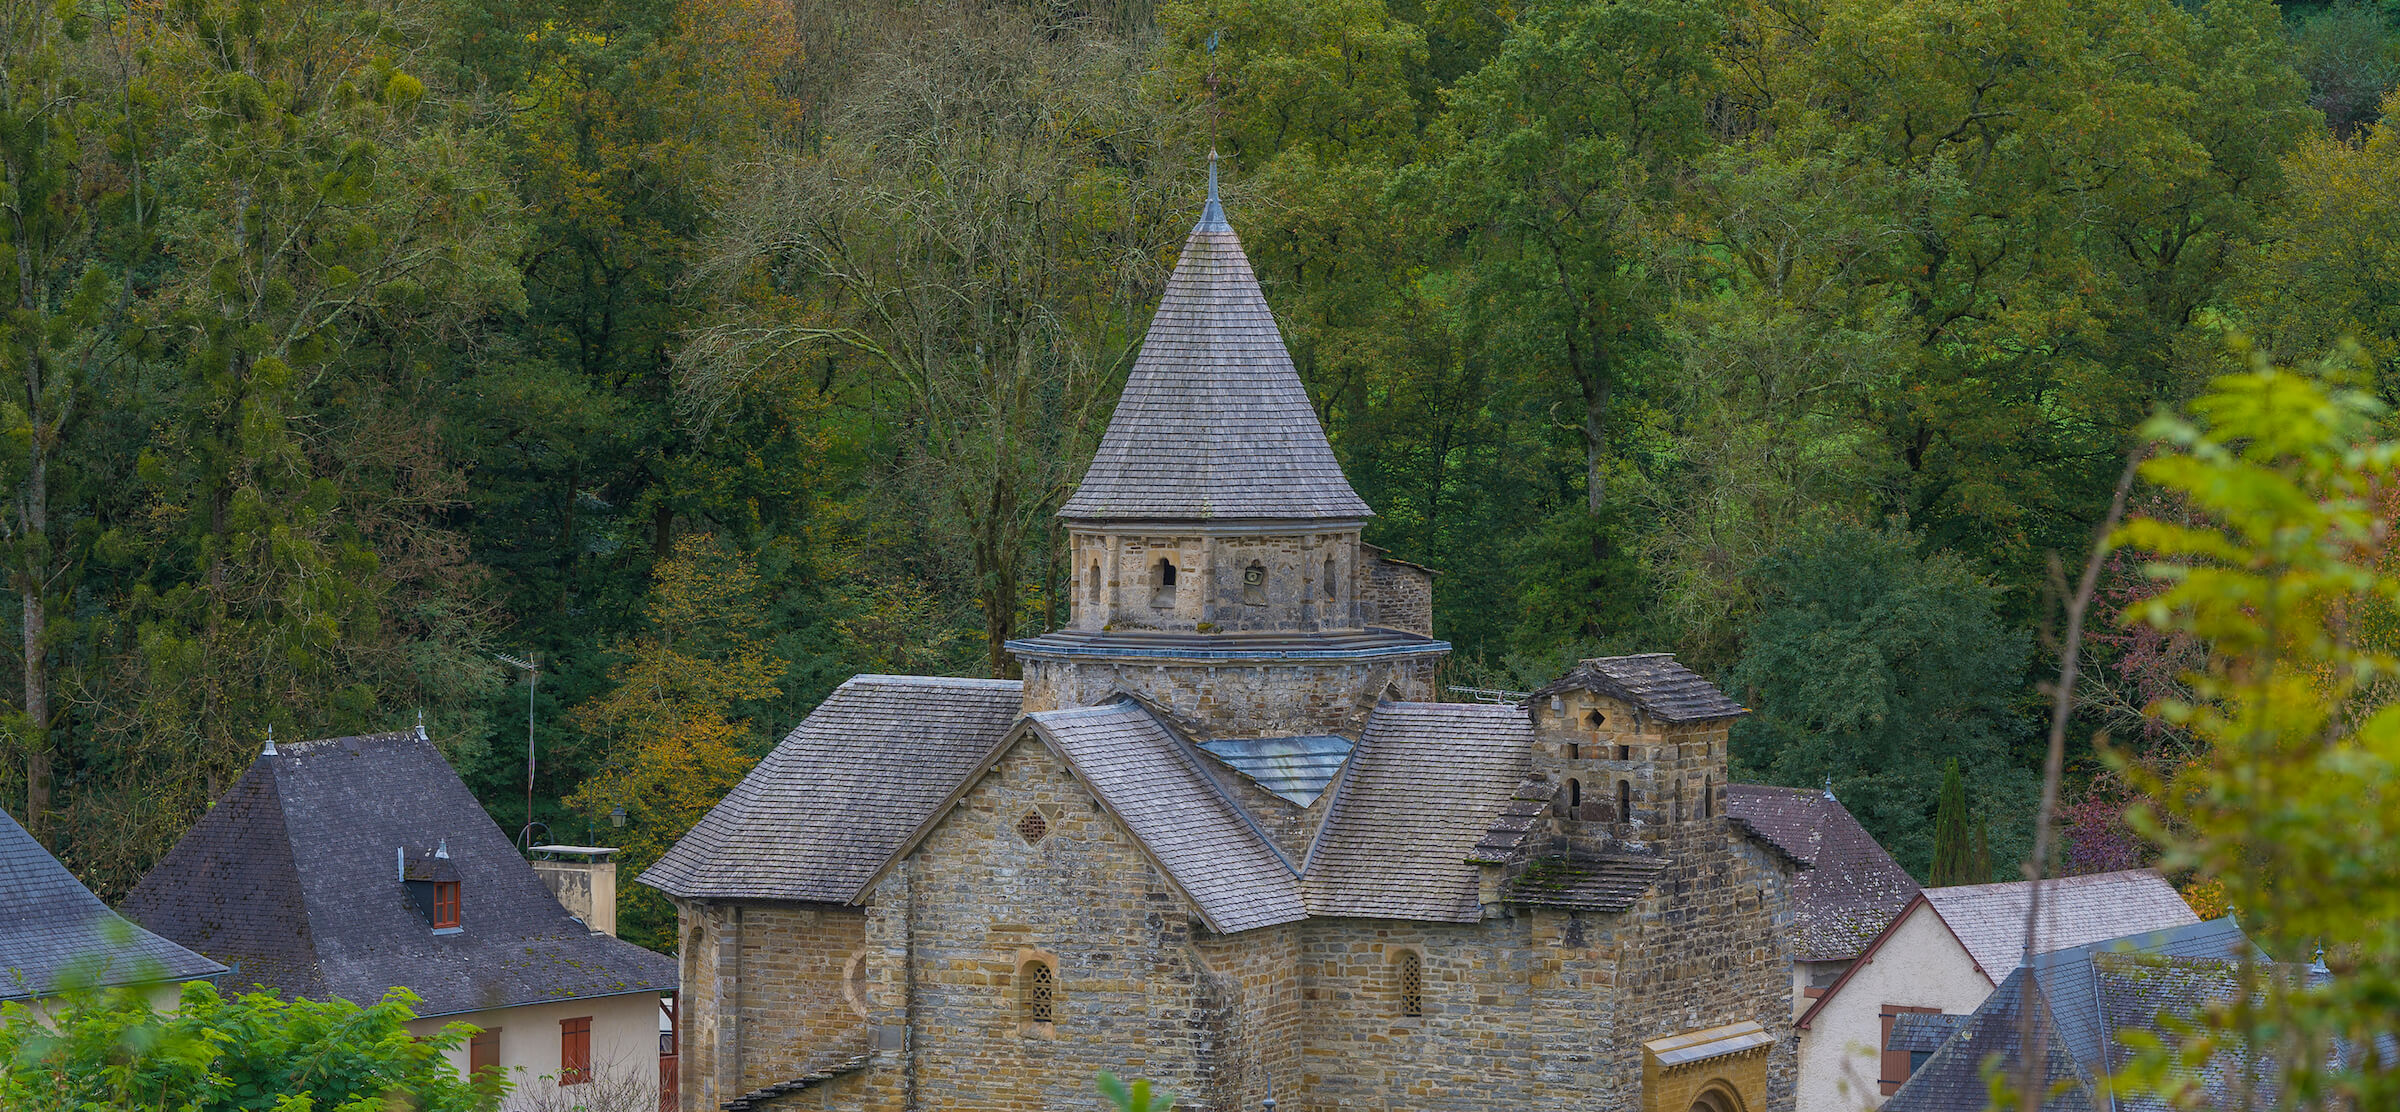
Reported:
(708, 352)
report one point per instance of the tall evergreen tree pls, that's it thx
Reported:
(1953, 856)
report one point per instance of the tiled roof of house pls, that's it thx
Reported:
(1150, 780)
(2086, 994)
(294, 880)
(1653, 683)
(1213, 422)
(55, 933)
(1850, 889)
(1989, 919)
(1420, 793)
(819, 817)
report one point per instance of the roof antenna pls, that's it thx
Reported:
(270, 741)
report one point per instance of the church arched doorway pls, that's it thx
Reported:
(1717, 1098)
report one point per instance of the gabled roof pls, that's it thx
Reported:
(1850, 889)
(819, 817)
(1989, 919)
(1150, 780)
(2086, 995)
(1653, 682)
(294, 880)
(1213, 422)
(1420, 793)
(55, 933)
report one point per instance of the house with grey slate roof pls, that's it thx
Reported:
(1849, 890)
(2085, 999)
(351, 867)
(1223, 836)
(55, 935)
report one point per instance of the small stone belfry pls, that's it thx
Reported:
(1221, 836)
(1215, 542)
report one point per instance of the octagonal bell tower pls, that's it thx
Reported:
(1215, 542)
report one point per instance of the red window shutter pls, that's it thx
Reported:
(483, 1051)
(1895, 1062)
(575, 1051)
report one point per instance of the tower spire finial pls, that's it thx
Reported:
(1212, 218)
(270, 741)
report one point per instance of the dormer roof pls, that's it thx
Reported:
(1654, 683)
(1213, 423)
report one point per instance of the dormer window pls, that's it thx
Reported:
(445, 905)
(431, 883)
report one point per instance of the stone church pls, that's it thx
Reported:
(1222, 836)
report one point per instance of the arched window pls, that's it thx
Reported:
(1330, 591)
(1624, 801)
(1092, 586)
(1411, 982)
(1037, 986)
(1162, 582)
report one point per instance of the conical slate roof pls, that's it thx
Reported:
(1213, 422)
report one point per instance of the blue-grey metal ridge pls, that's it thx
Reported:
(1296, 768)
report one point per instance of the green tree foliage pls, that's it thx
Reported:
(1953, 847)
(2283, 571)
(1869, 661)
(115, 1050)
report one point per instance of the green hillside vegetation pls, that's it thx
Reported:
(710, 352)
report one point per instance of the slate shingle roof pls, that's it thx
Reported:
(1989, 919)
(1150, 780)
(1421, 792)
(293, 879)
(1850, 889)
(819, 817)
(1603, 882)
(1652, 682)
(53, 930)
(1511, 832)
(1213, 422)
(2086, 995)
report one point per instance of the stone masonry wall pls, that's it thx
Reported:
(1237, 698)
(1397, 596)
(1307, 582)
(777, 977)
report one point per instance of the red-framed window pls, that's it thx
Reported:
(483, 1051)
(1896, 1063)
(575, 1050)
(445, 904)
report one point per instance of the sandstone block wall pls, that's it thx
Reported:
(1307, 582)
(1397, 596)
(768, 994)
(1241, 698)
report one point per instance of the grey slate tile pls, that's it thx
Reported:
(1423, 790)
(54, 931)
(1989, 919)
(1653, 682)
(294, 880)
(1850, 888)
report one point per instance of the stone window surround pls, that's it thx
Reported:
(854, 981)
(1396, 958)
(1020, 1002)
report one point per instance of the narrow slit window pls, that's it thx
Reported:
(1330, 589)
(1041, 992)
(1708, 797)
(1624, 801)
(1412, 984)
(1092, 585)
(1575, 799)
